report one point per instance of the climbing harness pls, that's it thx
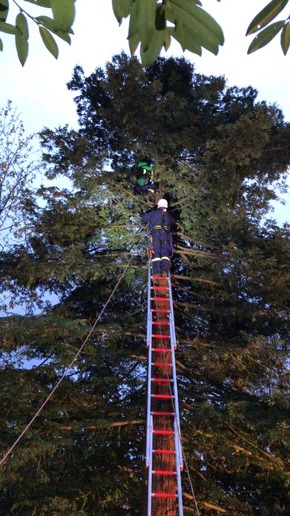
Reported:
(165, 228)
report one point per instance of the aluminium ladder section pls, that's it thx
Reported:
(163, 440)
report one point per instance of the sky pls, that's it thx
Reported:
(39, 93)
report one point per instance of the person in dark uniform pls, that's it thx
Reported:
(160, 222)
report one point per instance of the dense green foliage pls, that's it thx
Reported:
(219, 154)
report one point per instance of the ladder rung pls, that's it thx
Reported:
(160, 350)
(161, 323)
(162, 396)
(158, 277)
(162, 380)
(160, 413)
(163, 472)
(159, 336)
(164, 495)
(168, 452)
(162, 364)
(160, 310)
(155, 287)
(160, 299)
(163, 432)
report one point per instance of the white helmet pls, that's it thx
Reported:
(162, 203)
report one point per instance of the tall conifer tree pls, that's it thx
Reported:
(219, 156)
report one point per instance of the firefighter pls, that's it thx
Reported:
(145, 178)
(160, 222)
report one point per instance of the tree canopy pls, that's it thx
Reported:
(17, 172)
(220, 158)
(152, 25)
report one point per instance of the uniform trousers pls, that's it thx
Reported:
(162, 251)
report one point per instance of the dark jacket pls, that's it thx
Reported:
(158, 219)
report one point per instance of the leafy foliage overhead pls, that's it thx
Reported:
(153, 23)
(59, 23)
(267, 31)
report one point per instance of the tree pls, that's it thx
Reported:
(17, 173)
(218, 155)
(17, 167)
(152, 25)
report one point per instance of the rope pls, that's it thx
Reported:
(190, 483)
(69, 367)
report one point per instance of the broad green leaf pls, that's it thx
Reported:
(201, 19)
(141, 29)
(63, 35)
(63, 14)
(8, 28)
(4, 8)
(22, 25)
(50, 25)
(146, 11)
(47, 22)
(153, 50)
(41, 3)
(133, 24)
(186, 41)
(1, 45)
(266, 15)
(285, 38)
(21, 37)
(184, 24)
(133, 43)
(121, 9)
(21, 46)
(49, 41)
(265, 36)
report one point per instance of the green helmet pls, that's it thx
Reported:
(144, 164)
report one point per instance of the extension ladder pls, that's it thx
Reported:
(163, 439)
